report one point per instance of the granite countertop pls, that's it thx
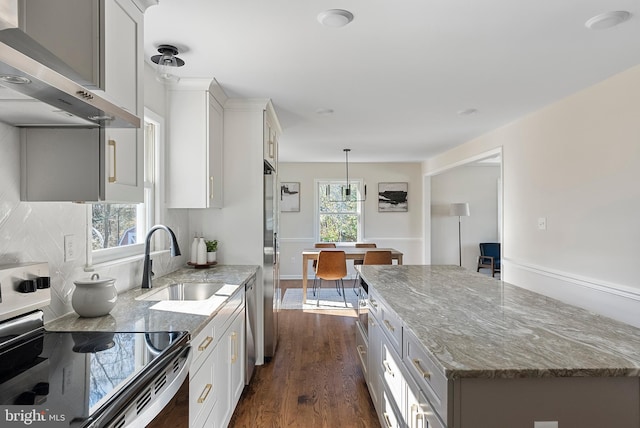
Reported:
(477, 326)
(133, 314)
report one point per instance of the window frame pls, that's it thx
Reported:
(359, 184)
(152, 198)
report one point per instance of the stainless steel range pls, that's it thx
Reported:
(82, 379)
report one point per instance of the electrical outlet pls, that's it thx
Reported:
(69, 248)
(546, 424)
(542, 225)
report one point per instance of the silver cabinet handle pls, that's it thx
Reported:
(361, 350)
(205, 393)
(389, 326)
(425, 373)
(234, 342)
(388, 368)
(387, 421)
(211, 187)
(112, 178)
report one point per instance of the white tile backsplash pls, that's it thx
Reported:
(34, 232)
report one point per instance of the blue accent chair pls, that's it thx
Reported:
(489, 257)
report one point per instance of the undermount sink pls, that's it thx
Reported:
(184, 291)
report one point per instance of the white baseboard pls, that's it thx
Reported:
(615, 301)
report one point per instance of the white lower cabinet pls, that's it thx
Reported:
(398, 399)
(216, 374)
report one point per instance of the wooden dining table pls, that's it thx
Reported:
(352, 253)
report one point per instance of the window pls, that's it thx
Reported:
(118, 230)
(338, 217)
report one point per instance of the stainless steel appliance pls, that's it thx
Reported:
(30, 75)
(363, 307)
(271, 283)
(250, 329)
(86, 378)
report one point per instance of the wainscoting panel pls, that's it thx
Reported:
(615, 301)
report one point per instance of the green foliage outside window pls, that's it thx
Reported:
(338, 217)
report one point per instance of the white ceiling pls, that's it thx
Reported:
(399, 73)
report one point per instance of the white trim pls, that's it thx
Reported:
(594, 284)
(616, 301)
(475, 158)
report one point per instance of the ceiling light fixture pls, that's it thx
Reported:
(167, 60)
(347, 194)
(335, 18)
(607, 20)
(467, 112)
(324, 111)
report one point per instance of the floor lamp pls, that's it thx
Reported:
(460, 210)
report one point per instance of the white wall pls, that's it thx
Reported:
(577, 163)
(403, 231)
(34, 231)
(478, 186)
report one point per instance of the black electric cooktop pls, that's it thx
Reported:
(66, 378)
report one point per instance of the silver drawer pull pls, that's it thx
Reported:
(387, 421)
(389, 326)
(387, 367)
(205, 393)
(425, 373)
(205, 343)
(373, 303)
(361, 350)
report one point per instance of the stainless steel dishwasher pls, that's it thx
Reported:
(250, 328)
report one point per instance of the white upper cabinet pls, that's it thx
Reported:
(101, 40)
(195, 149)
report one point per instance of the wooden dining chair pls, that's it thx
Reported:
(322, 245)
(363, 245)
(382, 257)
(332, 266)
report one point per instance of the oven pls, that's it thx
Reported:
(87, 378)
(363, 307)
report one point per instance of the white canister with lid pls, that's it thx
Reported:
(94, 297)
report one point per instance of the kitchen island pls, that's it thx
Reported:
(486, 353)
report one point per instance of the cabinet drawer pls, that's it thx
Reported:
(391, 324)
(388, 416)
(362, 348)
(391, 373)
(374, 304)
(426, 373)
(202, 345)
(223, 318)
(202, 391)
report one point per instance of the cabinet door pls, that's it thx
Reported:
(237, 360)
(375, 337)
(215, 183)
(122, 165)
(122, 62)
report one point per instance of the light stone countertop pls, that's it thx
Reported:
(480, 327)
(132, 314)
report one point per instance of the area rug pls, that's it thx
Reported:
(329, 298)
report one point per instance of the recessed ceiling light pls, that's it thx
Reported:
(607, 20)
(335, 17)
(324, 111)
(467, 112)
(13, 79)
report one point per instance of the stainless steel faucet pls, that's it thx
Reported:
(174, 249)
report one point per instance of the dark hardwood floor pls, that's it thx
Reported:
(314, 379)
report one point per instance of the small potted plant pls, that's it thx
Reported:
(212, 248)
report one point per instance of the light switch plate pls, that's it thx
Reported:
(546, 424)
(69, 248)
(542, 225)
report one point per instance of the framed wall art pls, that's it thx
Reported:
(392, 197)
(289, 197)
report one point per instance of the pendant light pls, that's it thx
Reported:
(345, 191)
(167, 60)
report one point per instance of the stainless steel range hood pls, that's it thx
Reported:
(36, 89)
